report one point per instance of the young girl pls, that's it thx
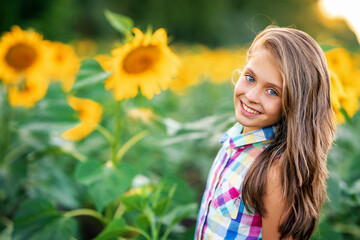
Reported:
(268, 179)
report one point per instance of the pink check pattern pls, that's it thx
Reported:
(222, 212)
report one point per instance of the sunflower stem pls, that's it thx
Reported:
(6, 117)
(138, 230)
(106, 133)
(131, 142)
(85, 212)
(117, 131)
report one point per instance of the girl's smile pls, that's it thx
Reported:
(258, 92)
(246, 110)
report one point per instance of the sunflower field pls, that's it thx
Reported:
(113, 139)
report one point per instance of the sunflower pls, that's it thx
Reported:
(345, 82)
(104, 61)
(220, 63)
(337, 96)
(64, 63)
(146, 63)
(21, 54)
(345, 66)
(89, 113)
(85, 48)
(33, 89)
(190, 70)
(215, 65)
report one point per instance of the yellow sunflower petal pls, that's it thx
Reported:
(139, 37)
(104, 61)
(336, 94)
(64, 63)
(343, 64)
(34, 89)
(159, 37)
(190, 70)
(125, 89)
(350, 103)
(149, 88)
(345, 81)
(89, 113)
(78, 132)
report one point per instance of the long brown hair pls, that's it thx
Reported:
(304, 134)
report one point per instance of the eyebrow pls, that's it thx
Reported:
(269, 83)
(251, 71)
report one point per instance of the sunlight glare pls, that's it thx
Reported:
(347, 9)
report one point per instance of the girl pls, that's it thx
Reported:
(268, 179)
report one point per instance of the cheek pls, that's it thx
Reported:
(276, 109)
(239, 87)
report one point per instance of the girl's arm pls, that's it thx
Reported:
(274, 204)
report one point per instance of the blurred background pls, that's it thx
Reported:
(210, 22)
(168, 142)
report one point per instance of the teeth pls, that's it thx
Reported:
(249, 109)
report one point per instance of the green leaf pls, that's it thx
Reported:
(88, 172)
(6, 233)
(155, 196)
(50, 180)
(121, 23)
(115, 228)
(133, 202)
(326, 47)
(333, 191)
(38, 219)
(53, 113)
(111, 184)
(179, 213)
(142, 222)
(347, 117)
(90, 74)
(33, 209)
(183, 193)
(163, 205)
(325, 231)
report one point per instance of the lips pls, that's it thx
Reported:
(248, 109)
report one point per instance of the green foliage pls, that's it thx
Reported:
(105, 183)
(48, 183)
(339, 219)
(119, 22)
(38, 219)
(115, 228)
(89, 75)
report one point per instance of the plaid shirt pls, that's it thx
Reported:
(222, 213)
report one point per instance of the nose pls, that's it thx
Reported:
(253, 94)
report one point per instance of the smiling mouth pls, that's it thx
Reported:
(248, 109)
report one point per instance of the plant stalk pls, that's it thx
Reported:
(117, 131)
(86, 212)
(105, 133)
(129, 144)
(134, 229)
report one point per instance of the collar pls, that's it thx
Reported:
(235, 138)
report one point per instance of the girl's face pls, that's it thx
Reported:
(257, 94)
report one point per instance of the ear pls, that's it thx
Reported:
(235, 76)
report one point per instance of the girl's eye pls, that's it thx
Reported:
(272, 92)
(250, 78)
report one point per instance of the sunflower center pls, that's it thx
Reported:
(20, 56)
(59, 58)
(141, 59)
